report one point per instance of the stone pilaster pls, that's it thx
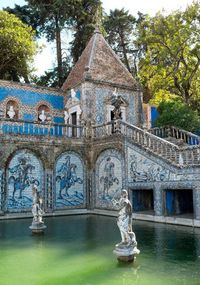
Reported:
(49, 201)
(158, 199)
(2, 192)
(196, 195)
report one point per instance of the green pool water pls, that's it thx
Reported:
(78, 250)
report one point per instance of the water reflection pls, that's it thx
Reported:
(79, 249)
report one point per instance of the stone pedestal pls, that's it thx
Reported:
(37, 227)
(126, 253)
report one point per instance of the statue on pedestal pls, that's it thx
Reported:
(127, 248)
(37, 223)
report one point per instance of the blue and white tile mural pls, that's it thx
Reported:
(143, 169)
(70, 181)
(108, 178)
(23, 171)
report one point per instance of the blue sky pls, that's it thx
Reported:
(46, 59)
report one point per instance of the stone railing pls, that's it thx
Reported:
(40, 129)
(180, 156)
(103, 130)
(179, 134)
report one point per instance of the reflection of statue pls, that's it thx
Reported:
(36, 209)
(109, 177)
(11, 112)
(127, 248)
(42, 116)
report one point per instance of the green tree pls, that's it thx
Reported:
(177, 114)
(171, 54)
(50, 78)
(17, 48)
(49, 18)
(120, 25)
(28, 16)
(86, 18)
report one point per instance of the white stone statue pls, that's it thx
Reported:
(37, 225)
(11, 112)
(66, 117)
(115, 92)
(73, 94)
(42, 116)
(127, 248)
(36, 209)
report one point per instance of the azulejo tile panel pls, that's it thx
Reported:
(69, 181)
(108, 178)
(24, 170)
(28, 97)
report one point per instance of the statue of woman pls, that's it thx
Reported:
(124, 221)
(36, 209)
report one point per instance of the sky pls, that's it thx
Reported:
(45, 60)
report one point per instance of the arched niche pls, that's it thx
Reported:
(43, 113)
(12, 110)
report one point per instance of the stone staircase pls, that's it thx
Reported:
(178, 147)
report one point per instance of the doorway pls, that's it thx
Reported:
(178, 202)
(74, 123)
(142, 200)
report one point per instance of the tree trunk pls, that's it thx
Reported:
(124, 53)
(59, 51)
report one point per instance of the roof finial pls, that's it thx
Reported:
(97, 31)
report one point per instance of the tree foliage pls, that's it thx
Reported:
(171, 54)
(50, 78)
(50, 17)
(178, 114)
(120, 25)
(16, 49)
(86, 18)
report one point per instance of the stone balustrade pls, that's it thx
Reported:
(26, 128)
(178, 155)
(152, 141)
(179, 134)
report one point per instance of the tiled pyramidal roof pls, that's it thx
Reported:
(99, 63)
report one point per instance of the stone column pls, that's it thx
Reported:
(196, 199)
(79, 112)
(49, 191)
(2, 191)
(158, 199)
